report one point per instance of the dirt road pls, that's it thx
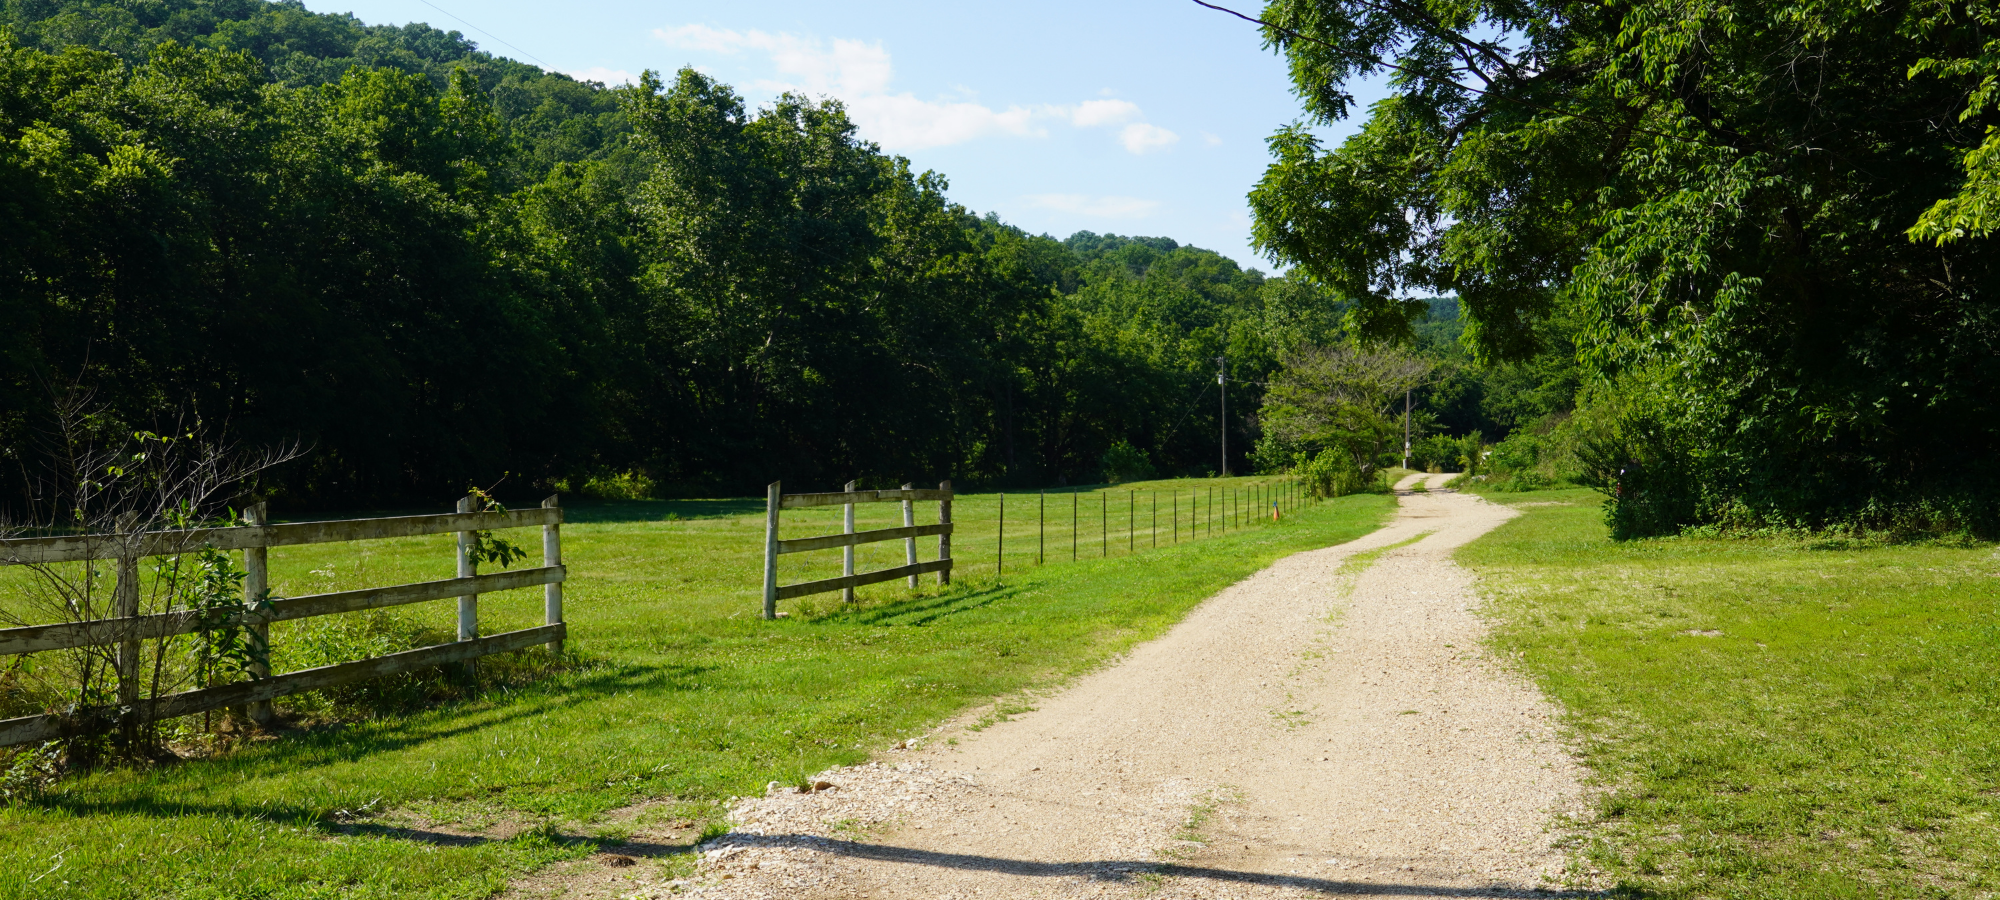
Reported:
(1330, 725)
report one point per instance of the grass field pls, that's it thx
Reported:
(681, 692)
(1769, 717)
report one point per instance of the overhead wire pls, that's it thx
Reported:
(483, 31)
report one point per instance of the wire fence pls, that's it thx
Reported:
(1002, 532)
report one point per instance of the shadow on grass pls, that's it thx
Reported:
(583, 510)
(629, 846)
(919, 610)
(576, 510)
(305, 749)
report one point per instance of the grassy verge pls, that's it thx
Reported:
(1771, 717)
(683, 694)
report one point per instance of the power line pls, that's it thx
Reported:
(487, 33)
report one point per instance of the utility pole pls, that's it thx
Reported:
(1406, 429)
(1222, 378)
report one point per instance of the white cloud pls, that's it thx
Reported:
(1210, 139)
(701, 37)
(1140, 137)
(905, 122)
(859, 73)
(1101, 207)
(612, 77)
(1092, 113)
(849, 68)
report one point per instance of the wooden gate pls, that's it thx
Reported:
(848, 539)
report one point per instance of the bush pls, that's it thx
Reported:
(1436, 453)
(1471, 451)
(1330, 474)
(631, 485)
(1124, 462)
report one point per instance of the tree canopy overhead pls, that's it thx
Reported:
(1753, 221)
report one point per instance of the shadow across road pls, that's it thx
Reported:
(1129, 870)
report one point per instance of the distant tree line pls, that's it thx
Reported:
(435, 267)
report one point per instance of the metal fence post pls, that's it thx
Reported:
(468, 604)
(552, 611)
(771, 501)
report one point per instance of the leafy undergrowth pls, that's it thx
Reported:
(1769, 716)
(676, 690)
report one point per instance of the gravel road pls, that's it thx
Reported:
(1330, 725)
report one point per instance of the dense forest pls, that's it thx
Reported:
(1755, 240)
(1636, 257)
(431, 266)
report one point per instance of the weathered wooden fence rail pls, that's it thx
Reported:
(128, 628)
(776, 501)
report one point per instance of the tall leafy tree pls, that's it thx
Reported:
(1714, 200)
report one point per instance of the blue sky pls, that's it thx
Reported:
(1132, 118)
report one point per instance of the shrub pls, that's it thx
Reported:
(1124, 462)
(1435, 453)
(630, 485)
(1330, 474)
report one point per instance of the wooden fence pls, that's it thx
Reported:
(775, 500)
(128, 627)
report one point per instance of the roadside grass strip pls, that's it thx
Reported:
(678, 692)
(1768, 716)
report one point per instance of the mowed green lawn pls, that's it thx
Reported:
(682, 692)
(1768, 717)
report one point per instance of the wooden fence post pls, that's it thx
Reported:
(552, 611)
(909, 521)
(847, 552)
(468, 604)
(256, 584)
(771, 501)
(125, 604)
(944, 538)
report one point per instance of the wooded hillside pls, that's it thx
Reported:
(435, 266)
